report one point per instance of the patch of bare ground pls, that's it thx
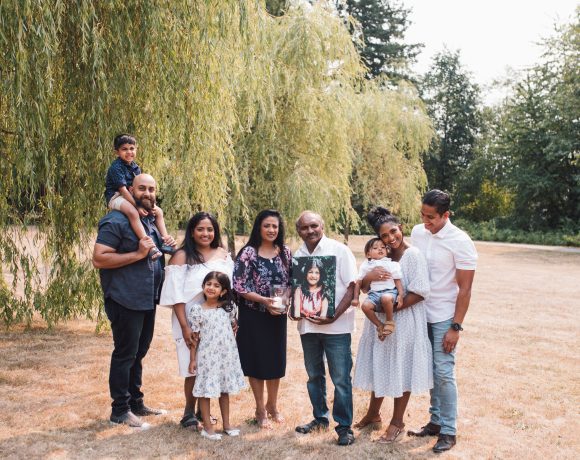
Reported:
(518, 377)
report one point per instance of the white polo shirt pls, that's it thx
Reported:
(447, 250)
(345, 274)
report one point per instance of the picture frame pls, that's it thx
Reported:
(313, 287)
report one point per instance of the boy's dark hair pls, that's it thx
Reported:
(438, 199)
(370, 243)
(121, 139)
(224, 280)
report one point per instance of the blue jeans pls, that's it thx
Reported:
(444, 393)
(336, 347)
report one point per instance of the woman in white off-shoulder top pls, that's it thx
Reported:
(200, 253)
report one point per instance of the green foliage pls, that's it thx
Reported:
(540, 135)
(480, 190)
(452, 102)
(387, 160)
(276, 7)
(491, 201)
(235, 110)
(74, 75)
(499, 230)
(297, 154)
(382, 24)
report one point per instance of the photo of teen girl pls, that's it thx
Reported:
(313, 287)
(214, 359)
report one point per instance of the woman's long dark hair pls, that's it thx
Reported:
(379, 216)
(192, 254)
(255, 240)
(224, 280)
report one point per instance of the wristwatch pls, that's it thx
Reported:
(456, 327)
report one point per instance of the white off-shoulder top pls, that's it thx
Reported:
(183, 285)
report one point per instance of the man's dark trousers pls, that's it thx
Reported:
(132, 335)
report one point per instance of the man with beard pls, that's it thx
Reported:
(131, 284)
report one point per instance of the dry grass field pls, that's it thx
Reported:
(518, 374)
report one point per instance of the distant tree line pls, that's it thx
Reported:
(517, 163)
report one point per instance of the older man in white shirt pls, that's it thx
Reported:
(329, 336)
(452, 259)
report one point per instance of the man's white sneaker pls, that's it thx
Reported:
(129, 419)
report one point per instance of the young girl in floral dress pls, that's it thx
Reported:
(214, 359)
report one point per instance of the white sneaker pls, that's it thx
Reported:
(129, 419)
(232, 432)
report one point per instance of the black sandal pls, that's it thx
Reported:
(166, 249)
(189, 420)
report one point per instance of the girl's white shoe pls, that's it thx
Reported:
(213, 437)
(232, 432)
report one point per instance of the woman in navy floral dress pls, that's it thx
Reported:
(263, 262)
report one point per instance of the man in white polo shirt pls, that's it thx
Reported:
(452, 259)
(329, 336)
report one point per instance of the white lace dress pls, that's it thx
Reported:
(218, 362)
(403, 361)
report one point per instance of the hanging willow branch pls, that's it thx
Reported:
(234, 110)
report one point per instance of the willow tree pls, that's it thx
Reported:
(234, 110)
(387, 166)
(73, 75)
(298, 152)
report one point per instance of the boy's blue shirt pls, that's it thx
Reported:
(119, 174)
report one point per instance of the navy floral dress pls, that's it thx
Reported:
(261, 336)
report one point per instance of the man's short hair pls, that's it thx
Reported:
(438, 199)
(303, 213)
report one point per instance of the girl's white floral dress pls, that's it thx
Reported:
(218, 362)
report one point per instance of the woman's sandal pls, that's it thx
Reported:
(276, 417)
(364, 422)
(263, 422)
(387, 438)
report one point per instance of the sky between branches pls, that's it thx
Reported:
(492, 34)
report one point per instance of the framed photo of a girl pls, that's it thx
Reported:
(313, 283)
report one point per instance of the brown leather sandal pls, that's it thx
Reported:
(276, 417)
(390, 438)
(388, 328)
(364, 422)
(263, 422)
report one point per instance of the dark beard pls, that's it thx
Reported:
(147, 205)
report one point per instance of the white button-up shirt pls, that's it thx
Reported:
(346, 273)
(446, 251)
